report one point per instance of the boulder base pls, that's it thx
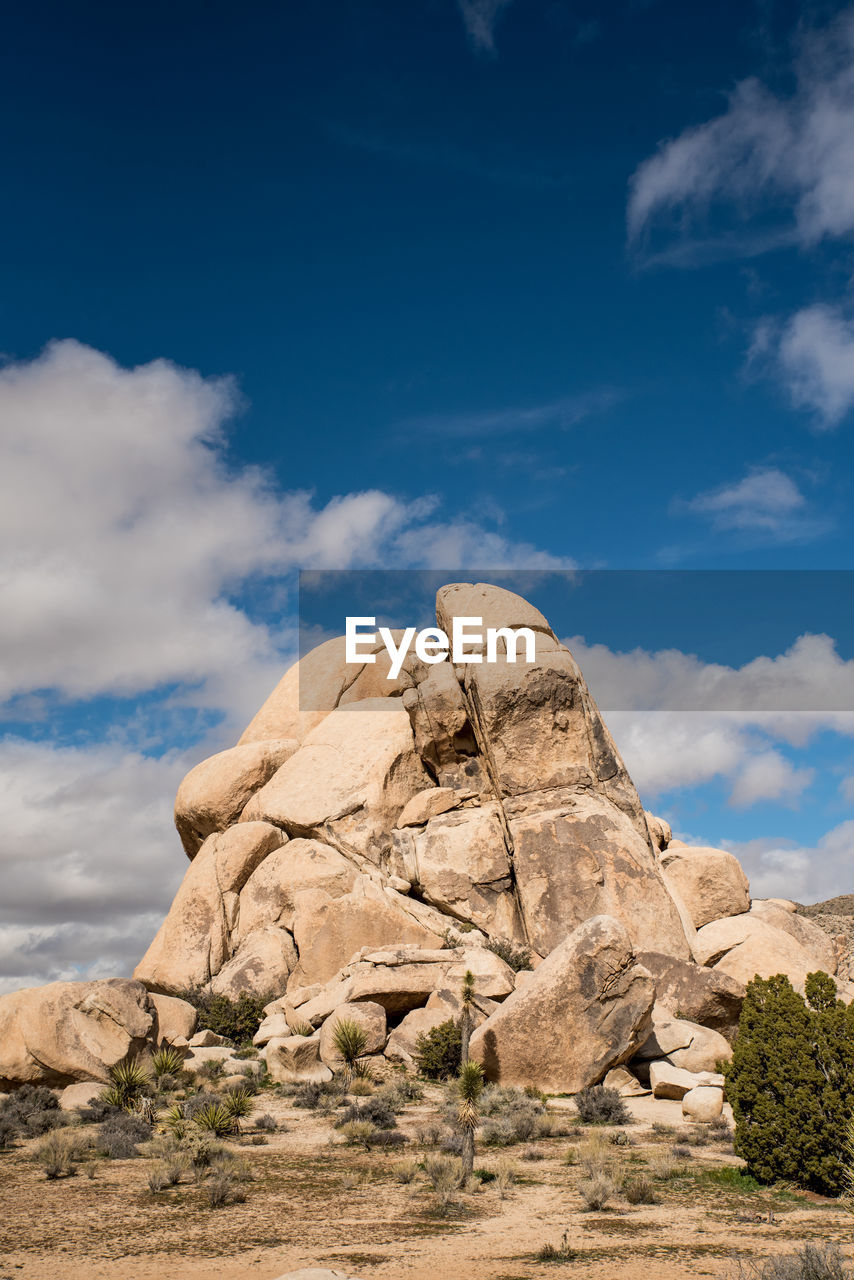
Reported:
(583, 1011)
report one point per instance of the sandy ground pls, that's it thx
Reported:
(314, 1201)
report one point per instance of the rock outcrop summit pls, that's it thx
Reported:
(369, 840)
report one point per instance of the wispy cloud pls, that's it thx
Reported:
(813, 354)
(788, 157)
(480, 18)
(561, 414)
(765, 502)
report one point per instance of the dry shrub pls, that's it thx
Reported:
(597, 1192)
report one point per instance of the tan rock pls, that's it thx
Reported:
(585, 1011)
(667, 1081)
(74, 1096)
(401, 980)
(443, 734)
(369, 1017)
(274, 1027)
(707, 996)
(207, 1039)
(581, 858)
(703, 1104)
(403, 1042)
(428, 804)
(296, 1060)
(262, 964)
(660, 831)
(307, 692)
(814, 940)
(214, 794)
(746, 945)
(495, 606)
(173, 1018)
(194, 941)
(330, 931)
(459, 863)
(627, 1085)
(269, 895)
(70, 1031)
(710, 882)
(683, 1043)
(350, 779)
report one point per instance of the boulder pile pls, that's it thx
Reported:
(370, 840)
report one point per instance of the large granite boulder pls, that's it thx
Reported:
(70, 1031)
(349, 781)
(707, 996)
(577, 855)
(710, 882)
(194, 941)
(585, 1010)
(215, 793)
(747, 946)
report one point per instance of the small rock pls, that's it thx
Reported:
(703, 1103)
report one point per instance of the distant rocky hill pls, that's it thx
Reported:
(836, 918)
(370, 840)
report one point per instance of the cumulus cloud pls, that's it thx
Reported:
(814, 356)
(765, 146)
(89, 858)
(783, 869)
(127, 534)
(766, 500)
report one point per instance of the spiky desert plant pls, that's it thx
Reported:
(302, 1029)
(238, 1104)
(167, 1061)
(128, 1081)
(214, 1118)
(846, 1200)
(350, 1043)
(467, 1015)
(470, 1086)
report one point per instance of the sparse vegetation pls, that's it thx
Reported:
(350, 1043)
(167, 1061)
(438, 1052)
(28, 1113)
(811, 1262)
(236, 1020)
(128, 1082)
(517, 958)
(118, 1136)
(59, 1152)
(599, 1104)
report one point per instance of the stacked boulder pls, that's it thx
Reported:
(369, 840)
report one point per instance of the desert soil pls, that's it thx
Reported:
(312, 1200)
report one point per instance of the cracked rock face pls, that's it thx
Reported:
(368, 840)
(489, 798)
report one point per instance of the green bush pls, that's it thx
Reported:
(236, 1020)
(599, 1104)
(791, 1082)
(437, 1054)
(517, 957)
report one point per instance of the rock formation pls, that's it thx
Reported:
(370, 840)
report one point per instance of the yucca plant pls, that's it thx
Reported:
(302, 1029)
(215, 1118)
(350, 1043)
(238, 1104)
(467, 1015)
(470, 1086)
(167, 1061)
(128, 1081)
(176, 1121)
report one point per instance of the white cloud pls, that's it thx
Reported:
(480, 18)
(783, 869)
(127, 535)
(798, 149)
(789, 693)
(815, 357)
(766, 500)
(89, 858)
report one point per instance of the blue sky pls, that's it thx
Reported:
(449, 284)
